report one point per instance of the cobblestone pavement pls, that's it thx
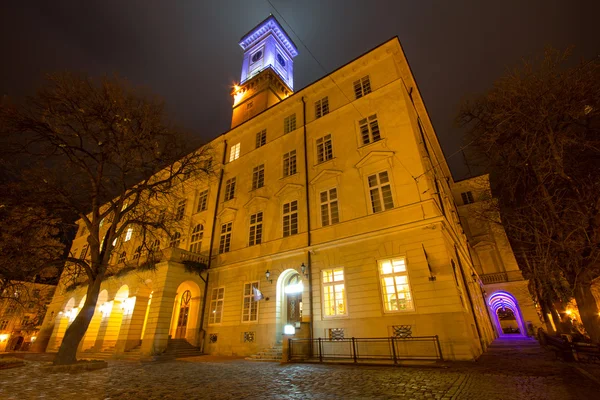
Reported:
(507, 371)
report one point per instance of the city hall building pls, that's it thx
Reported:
(332, 214)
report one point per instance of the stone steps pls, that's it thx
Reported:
(180, 348)
(274, 353)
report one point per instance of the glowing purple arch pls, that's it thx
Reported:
(502, 299)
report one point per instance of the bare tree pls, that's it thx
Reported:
(538, 130)
(105, 152)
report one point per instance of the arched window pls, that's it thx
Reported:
(196, 239)
(175, 240)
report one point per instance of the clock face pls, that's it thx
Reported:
(257, 56)
(280, 60)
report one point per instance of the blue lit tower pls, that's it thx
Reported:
(267, 70)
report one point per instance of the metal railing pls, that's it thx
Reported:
(569, 350)
(366, 349)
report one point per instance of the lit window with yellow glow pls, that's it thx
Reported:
(234, 153)
(334, 292)
(128, 234)
(395, 286)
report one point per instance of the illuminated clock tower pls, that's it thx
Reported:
(267, 70)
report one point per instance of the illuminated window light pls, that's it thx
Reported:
(294, 288)
(289, 330)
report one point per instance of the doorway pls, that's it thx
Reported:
(184, 310)
(293, 293)
(507, 315)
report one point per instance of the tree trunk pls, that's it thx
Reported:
(67, 353)
(588, 311)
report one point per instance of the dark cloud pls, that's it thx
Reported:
(187, 52)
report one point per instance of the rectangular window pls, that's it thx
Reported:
(329, 207)
(324, 148)
(180, 210)
(334, 292)
(261, 138)
(395, 287)
(202, 201)
(83, 252)
(225, 242)
(3, 324)
(129, 233)
(255, 229)
(289, 163)
(467, 197)
(380, 192)
(230, 189)
(289, 123)
(369, 129)
(25, 320)
(258, 177)
(250, 309)
(290, 218)
(321, 107)
(362, 87)
(234, 153)
(216, 306)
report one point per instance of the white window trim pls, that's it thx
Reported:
(411, 291)
(368, 191)
(252, 297)
(328, 202)
(234, 152)
(222, 308)
(337, 316)
(290, 213)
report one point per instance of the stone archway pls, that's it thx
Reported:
(89, 340)
(114, 310)
(290, 290)
(504, 307)
(186, 310)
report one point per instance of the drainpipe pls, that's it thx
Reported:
(309, 240)
(462, 273)
(212, 240)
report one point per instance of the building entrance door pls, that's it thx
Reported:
(293, 291)
(184, 310)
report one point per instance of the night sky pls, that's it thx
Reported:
(188, 53)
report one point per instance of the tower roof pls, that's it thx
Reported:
(269, 25)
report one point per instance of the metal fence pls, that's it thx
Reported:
(569, 350)
(365, 349)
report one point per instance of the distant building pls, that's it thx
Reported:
(21, 314)
(332, 214)
(510, 304)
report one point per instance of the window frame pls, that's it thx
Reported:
(234, 152)
(290, 163)
(382, 286)
(261, 138)
(229, 189)
(290, 213)
(202, 201)
(379, 187)
(289, 123)
(214, 303)
(328, 203)
(255, 229)
(368, 123)
(175, 240)
(225, 237)
(258, 177)
(321, 148)
(196, 237)
(180, 210)
(322, 107)
(467, 197)
(251, 302)
(363, 85)
(333, 283)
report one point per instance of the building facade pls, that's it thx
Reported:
(332, 212)
(511, 307)
(21, 313)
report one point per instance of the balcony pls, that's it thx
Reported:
(498, 277)
(179, 255)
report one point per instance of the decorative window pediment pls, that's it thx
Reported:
(288, 188)
(227, 214)
(324, 175)
(256, 201)
(375, 157)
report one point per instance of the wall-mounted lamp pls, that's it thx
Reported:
(268, 275)
(474, 276)
(303, 269)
